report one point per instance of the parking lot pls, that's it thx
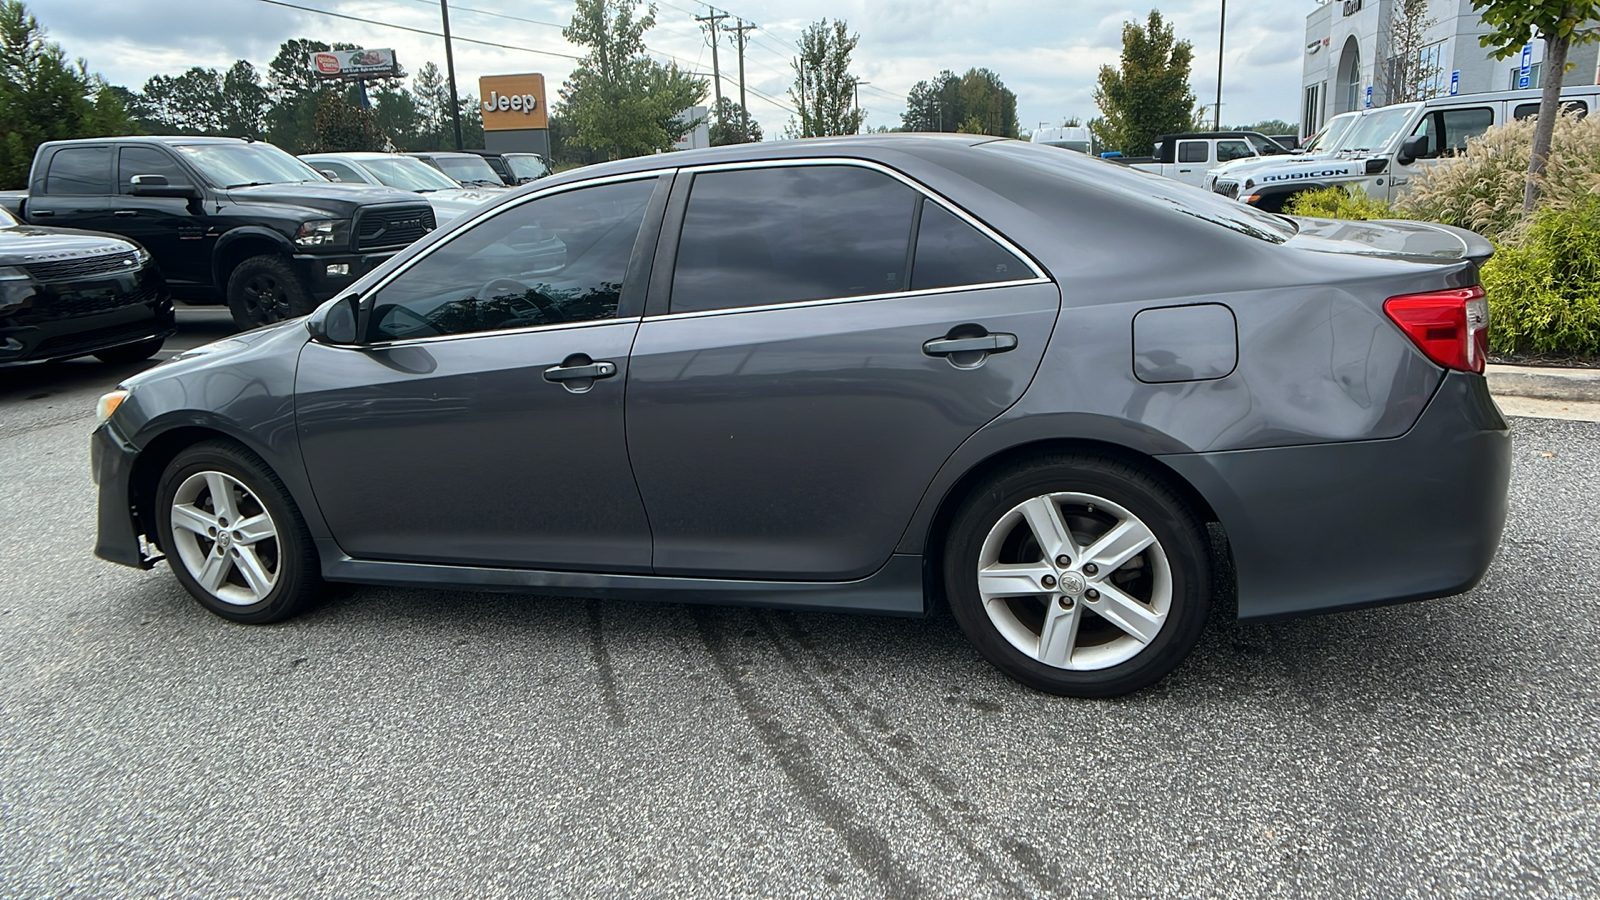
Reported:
(417, 743)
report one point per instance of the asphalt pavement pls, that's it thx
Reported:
(404, 743)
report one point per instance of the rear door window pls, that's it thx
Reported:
(79, 171)
(1193, 152)
(952, 253)
(1570, 107)
(783, 234)
(1449, 129)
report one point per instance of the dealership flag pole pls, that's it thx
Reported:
(450, 66)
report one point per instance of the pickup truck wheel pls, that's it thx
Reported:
(130, 353)
(264, 289)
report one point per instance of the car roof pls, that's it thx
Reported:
(444, 154)
(164, 139)
(357, 155)
(864, 146)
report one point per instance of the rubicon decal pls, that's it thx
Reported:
(1301, 176)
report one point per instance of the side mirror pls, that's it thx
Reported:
(158, 186)
(337, 322)
(1412, 149)
(329, 174)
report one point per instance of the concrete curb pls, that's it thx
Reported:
(1543, 383)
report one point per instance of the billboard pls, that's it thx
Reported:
(355, 64)
(512, 102)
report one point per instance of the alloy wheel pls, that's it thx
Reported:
(225, 538)
(266, 299)
(1074, 581)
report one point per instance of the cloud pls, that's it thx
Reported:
(1047, 52)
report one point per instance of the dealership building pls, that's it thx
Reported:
(1346, 50)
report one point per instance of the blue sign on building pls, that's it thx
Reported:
(1523, 80)
(1455, 83)
(1527, 58)
(1369, 96)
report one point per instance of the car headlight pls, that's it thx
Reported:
(321, 233)
(141, 256)
(16, 288)
(108, 404)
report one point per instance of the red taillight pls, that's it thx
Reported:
(1449, 327)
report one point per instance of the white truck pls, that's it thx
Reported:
(1067, 137)
(1187, 157)
(1382, 149)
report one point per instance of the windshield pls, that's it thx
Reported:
(1375, 130)
(1332, 131)
(1266, 146)
(1080, 146)
(408, 174)
(241, 165)
(524, 166)
(468, 169)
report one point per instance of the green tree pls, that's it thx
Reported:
(824, 90)
(933, 105)
(618, 100)
(1407, 71)
(343, 127)
(1149, 94)
(295, 93)
(984, 97)
(184, 104)
(396, 114)
(1560, 24)
(731, 125)
(242, 106)
(43, 97)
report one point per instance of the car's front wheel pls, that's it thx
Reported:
(233, 536)
(1078, 575)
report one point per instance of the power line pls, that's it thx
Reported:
(422, 31)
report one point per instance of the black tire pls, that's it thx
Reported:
(293, 557)
(1181, 543)
(265, 289)
(131, 353)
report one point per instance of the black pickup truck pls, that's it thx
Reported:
(226, 219)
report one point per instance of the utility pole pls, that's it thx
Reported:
(744, 109)
(800, 66)
(938, 107)
(1222, 32)
(858, 83)
(450, 67)
(711, 19)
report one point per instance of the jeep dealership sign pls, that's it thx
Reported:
(512, 102)
(355, 64)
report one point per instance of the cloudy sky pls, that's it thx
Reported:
(1047, 52)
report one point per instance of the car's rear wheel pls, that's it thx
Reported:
(264, 289)
(131, 353)
(233, 536)
(1078, 575)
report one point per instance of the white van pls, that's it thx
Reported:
(1385, 147)
(1067, 137)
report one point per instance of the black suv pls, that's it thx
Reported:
(229, 219)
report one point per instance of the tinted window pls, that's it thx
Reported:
(1192, 151)
(347, 174)
(79, 170)
(1227, 150)
(757, 236)
(951, 252)
(1571, 107)
(133, 161)
(1448, 130)
(558, 259)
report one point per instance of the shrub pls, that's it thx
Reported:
(1482, 189)
(1337, 203)
(1544, 286)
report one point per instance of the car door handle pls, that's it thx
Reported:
(41, 213)
(126, 213)
(989, 343)
(581, 370)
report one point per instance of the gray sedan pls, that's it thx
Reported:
(1079, 404)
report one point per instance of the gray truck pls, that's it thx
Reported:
(225, 219)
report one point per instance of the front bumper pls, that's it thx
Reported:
(313, 270)
(1338, 526)
(66, 320)
(111, 460)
